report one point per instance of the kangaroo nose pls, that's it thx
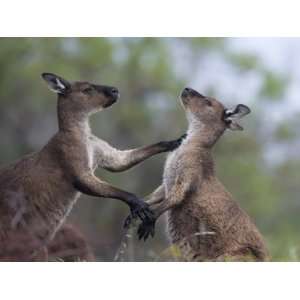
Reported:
(187, 89)
(190, 92)
(187, 92)
(114, 91)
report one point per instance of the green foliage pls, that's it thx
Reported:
(274, 85)
(284, 132)
(243, 61)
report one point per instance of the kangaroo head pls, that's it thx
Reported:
(80, 96)
(210, 114)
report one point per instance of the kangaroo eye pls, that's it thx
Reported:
(88, 90)
(208, 102)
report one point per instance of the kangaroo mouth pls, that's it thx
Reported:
(111, 101)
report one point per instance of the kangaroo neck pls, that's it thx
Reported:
(193, 147)
(69, 121)
(199, 143)
(204, 135)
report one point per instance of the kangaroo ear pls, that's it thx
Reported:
(56, 83)
(231, 116)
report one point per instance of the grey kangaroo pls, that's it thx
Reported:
(38, 191)
(204, 221)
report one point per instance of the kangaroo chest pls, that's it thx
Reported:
(171, 169)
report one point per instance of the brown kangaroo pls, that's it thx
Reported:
(204, 221)
(38, 191)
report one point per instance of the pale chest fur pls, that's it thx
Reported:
(90, 152)
(89, 142)
(172, 166)
(99, 152)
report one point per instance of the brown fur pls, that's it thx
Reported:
(38, 191)
(204, 222)
(69, 244)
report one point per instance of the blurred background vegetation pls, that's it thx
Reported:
(259, 166)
